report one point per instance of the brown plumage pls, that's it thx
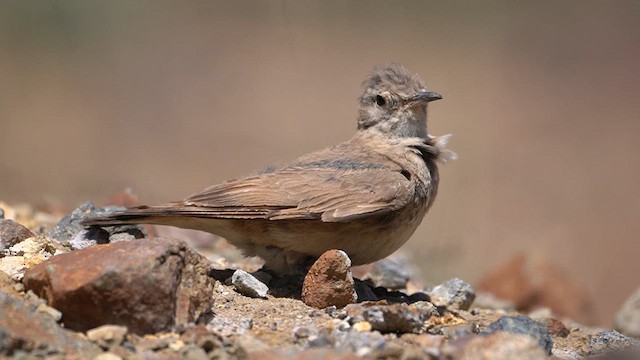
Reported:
(365, 196)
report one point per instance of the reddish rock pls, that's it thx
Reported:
(148, 285)
(329, 281)
(531, 282)
(25, 329)
(12, 233)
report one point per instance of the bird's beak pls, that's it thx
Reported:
(423, 97)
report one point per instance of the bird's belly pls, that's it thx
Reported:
(364, 240)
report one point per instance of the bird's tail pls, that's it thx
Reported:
(158, 215)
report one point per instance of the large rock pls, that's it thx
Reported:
(26, 330)
(148, 286)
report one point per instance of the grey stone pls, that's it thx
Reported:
(69, 227)
(246, 284)
(89, 237)
(454, 293)
(627, 320)
(524, 325)
(610, 341)
(389, 274)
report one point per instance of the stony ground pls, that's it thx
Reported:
(160, 293)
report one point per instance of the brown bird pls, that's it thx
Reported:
(365, 196)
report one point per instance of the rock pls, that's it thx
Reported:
(531, 282)
(148, 286)
(246, 284)
(362, 326)
(627, 320)
(606, 342)
(12, 233)
(108, 356)
(454, 294)
(524, 325)
(225, 326)
(49, 311)
(395, 318)
(1, 214)
(203, 338)
(89, 237)
(24, 329)
(69, 227)
(13, 266)
(364, 291)
(107, 336)
(503, 346)
(329, 281)
(389, 274)
(361, 343)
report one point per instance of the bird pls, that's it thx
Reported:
(365, 196)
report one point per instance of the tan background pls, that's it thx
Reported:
(168, 98)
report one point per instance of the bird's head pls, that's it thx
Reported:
(394, 103)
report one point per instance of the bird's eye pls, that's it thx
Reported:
(380, 101)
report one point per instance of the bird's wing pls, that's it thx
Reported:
(331, 190)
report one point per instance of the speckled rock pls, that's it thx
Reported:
(147, 286)
(607, 342)
(522, 325)
(329, 281)
(247, 284)
(454, 294)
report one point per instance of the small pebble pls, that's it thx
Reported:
(107, 336)
(454, 294)
(53, 313)
(246, 284)
(362, 326)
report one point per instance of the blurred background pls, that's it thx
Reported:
(169, 97)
